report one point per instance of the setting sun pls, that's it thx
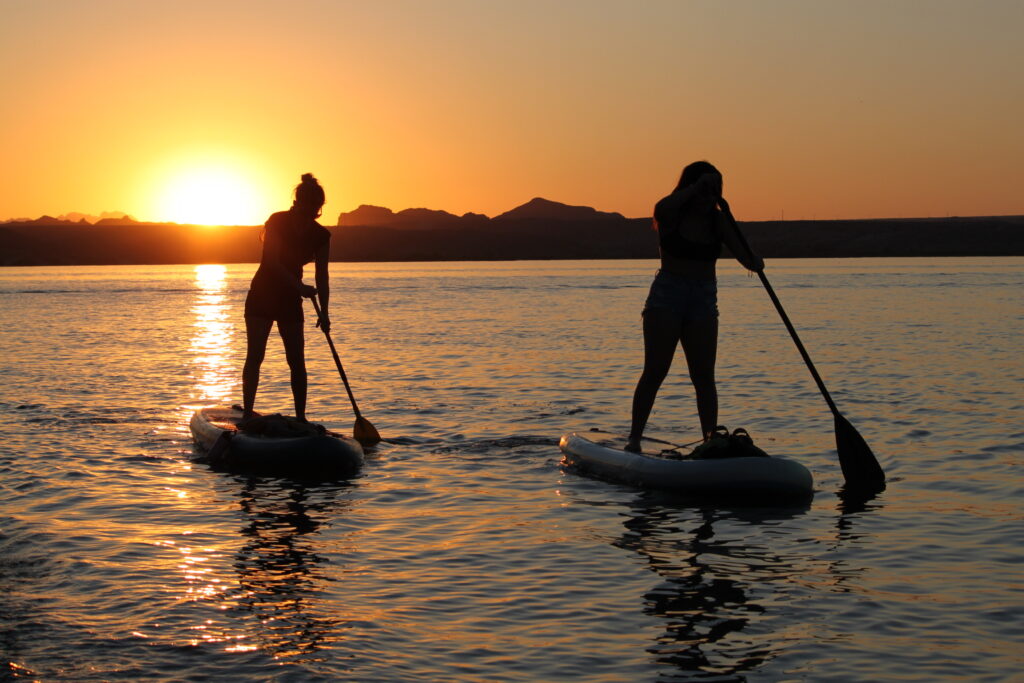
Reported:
(211, 196)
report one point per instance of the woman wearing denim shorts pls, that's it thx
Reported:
(682, 308)
(291, 239)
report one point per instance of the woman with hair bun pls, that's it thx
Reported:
(693, 223)
(291, 239)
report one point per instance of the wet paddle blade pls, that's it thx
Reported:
(860, 468)
(365, 433)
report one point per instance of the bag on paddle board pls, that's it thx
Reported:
(722, 444)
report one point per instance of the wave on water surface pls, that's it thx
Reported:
(463, 550)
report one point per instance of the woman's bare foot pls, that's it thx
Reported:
(633, 445)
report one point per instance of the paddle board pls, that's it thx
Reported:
(215, 430)
(660, 466)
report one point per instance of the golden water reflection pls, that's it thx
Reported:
(291, 578)
(215, 373)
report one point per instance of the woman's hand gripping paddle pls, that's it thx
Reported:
(363, 432)
(860, 468)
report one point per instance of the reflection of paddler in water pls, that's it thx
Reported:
(291, 239)
(707, 591)
(285, 581)
(703, 602)
(682, 308)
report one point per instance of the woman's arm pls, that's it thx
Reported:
(729, 233)
(323, 286)
(669, 209)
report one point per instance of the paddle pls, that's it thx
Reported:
(364, 432)
(860, 468)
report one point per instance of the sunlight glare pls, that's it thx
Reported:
(211, 196)
(214, 366)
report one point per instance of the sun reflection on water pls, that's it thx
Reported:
(215, 373)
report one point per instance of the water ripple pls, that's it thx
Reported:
(463, 551)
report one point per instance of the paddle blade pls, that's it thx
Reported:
(365, 433)
(860, 468)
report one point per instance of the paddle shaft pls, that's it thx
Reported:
(860, 467)
(337, 360)
(799, 344)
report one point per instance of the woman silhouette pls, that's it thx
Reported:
(291, 239)
(682, 308)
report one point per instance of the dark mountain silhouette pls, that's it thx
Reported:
(409, 219)
(117, 220)
(50, 220)
(545, 209)
(537, 209)
(538, 229)
(77, 217)
(73, 218)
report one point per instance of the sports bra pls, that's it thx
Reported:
(674, 244)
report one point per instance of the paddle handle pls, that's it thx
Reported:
(788, 324)
(337, 360)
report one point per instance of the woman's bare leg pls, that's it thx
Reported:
(661, 335)
(700, 344)
(295, 352)
(257, 329)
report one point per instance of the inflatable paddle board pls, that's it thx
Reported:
(659, 466)
(317, 453)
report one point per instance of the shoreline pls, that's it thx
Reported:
(131, 243)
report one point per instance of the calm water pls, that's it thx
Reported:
(463, 551)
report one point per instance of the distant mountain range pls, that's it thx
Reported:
(105, 218)
(429, 219)
(538, 229)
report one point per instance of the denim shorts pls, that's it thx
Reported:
(691, 299)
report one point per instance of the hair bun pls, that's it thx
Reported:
(309, 193)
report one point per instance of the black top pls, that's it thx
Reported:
(291, 242)
(674, 244)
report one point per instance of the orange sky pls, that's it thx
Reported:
(171, 110)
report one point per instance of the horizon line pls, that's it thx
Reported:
(84, 217)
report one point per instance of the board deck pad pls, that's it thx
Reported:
(222, 417)
(654, 448)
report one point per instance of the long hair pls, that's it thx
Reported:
(688, 177)
(694, 171)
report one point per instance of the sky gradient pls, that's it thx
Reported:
(811, 109)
